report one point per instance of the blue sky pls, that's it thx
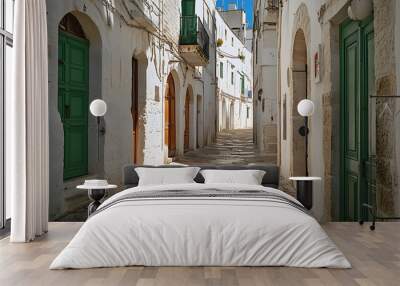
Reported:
(245, 4)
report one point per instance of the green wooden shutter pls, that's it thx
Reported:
(188, 7)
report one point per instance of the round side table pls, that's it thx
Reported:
(95, 194)
(304, 186)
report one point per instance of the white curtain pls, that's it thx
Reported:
(27, 124)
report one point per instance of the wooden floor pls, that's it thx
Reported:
(375, 257)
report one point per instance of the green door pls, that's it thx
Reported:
(73, 94)
(357, 77)
(188, 7)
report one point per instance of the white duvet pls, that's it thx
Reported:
(203, 232)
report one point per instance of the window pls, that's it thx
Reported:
(232, 78)
(226, 35)
(242, 84)
(247, 112)
(221, 70)
(6, 65)
(232, 41)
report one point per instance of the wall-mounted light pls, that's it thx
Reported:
(306, 109)
(98, 108)
(360, 9)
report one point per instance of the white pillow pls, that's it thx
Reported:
(166, 176)
(247, 177)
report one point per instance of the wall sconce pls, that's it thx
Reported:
(98, 108)
(305, 108)
(360, 9)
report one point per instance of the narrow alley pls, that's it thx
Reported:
(231, 147)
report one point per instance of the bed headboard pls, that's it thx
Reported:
(270, 179)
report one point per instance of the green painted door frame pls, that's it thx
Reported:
(73, 102)
(357, 83)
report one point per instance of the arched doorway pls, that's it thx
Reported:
(73, 94)
(170, 125)
(187, 134)
(299, 92)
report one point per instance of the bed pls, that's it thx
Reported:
(197, 224)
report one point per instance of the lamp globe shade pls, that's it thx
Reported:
(305, 107)
(98, 107)
(360, 9)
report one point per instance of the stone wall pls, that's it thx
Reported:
(386, 85)
(335, 12)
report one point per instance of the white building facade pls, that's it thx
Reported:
(349, 69)
(234, 73)
(151, 62)
(265, 45)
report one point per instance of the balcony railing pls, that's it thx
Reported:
(193, 33)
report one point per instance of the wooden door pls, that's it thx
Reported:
(187, 121)
(299, 87)
(73, 105)
(170, 126)
(135, 111)
(356, 72)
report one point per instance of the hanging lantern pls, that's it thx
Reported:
(360, 9)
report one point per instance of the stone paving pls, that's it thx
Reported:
(231, 147)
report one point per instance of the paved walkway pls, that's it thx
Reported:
(231, 147)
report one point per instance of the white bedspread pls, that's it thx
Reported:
(193, 231)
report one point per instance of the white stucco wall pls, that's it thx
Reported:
(265, 79)
(230, 91)
(316, 162)
(111, 79)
